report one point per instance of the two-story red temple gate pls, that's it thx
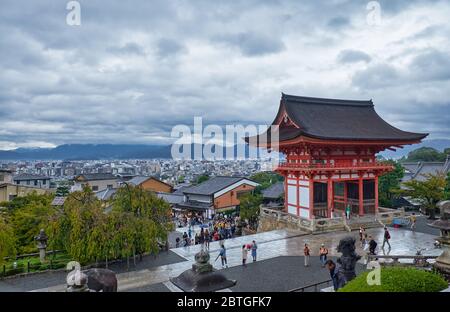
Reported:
(330, 148)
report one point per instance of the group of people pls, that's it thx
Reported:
(253, 247)
(323, 254)
(368, 242)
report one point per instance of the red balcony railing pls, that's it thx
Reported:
(333, 166)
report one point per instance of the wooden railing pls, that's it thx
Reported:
(333, 166)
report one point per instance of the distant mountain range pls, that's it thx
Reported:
(125, 151)
(101, 151)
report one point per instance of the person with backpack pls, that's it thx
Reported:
(323, 252)
(387, 237)
(306, 251)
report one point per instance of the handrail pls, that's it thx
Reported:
(302, 289)
(331, 166)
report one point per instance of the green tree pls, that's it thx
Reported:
(202, 178)
(430, 191)
(389, 184)
(426, 154)
(249, 208)
(80, 228)
(28, 215)
(62, 191)
(7, 239)
(266, 179)
(447, 187)
(146, 220)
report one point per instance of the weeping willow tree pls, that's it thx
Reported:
(141, 219)
(7, 239)
(80, 228)
(137, 222)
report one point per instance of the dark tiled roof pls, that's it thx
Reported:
(338, 120)
(138, 180)
(212, 185)
(106, 194)
(195, 205)
(274, 191)
(27, 176)
(171, 198)
(96, 176)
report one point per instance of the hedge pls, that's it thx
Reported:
(399, 280)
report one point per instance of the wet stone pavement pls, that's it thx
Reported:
(282, 251)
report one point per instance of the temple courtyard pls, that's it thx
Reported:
(279, 267)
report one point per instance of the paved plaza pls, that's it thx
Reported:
(279, 266)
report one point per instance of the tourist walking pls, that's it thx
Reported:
(223, 256)
(413, 221)
(244, 255)
(254, 248)
(177, 242)
(323, 253)
(372, 245)
(348, 210)
(306, 251)
(386, 238)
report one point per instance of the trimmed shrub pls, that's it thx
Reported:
(399, 280)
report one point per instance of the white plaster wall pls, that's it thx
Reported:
(292, 195)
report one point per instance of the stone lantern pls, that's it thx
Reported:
(42, 239)
(442, 263)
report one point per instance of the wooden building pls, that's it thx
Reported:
(330, 149)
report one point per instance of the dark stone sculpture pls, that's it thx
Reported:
(101, 280)
(348, 259)
(202, 277)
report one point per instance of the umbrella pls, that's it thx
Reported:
(204, 226)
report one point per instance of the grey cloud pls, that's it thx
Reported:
(431, 65)
(353, 56)
(254, 44)
(338, 22)
(376, 76)
(168, 47)
(131, 72)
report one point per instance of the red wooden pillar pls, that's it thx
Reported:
(376, 193)
(330, 196)
(361, 195)
(345, 194)
(311, 198)
(297, 190)
(285, 191)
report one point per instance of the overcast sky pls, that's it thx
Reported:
(134, 69)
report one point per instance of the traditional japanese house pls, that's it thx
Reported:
(330, 149)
